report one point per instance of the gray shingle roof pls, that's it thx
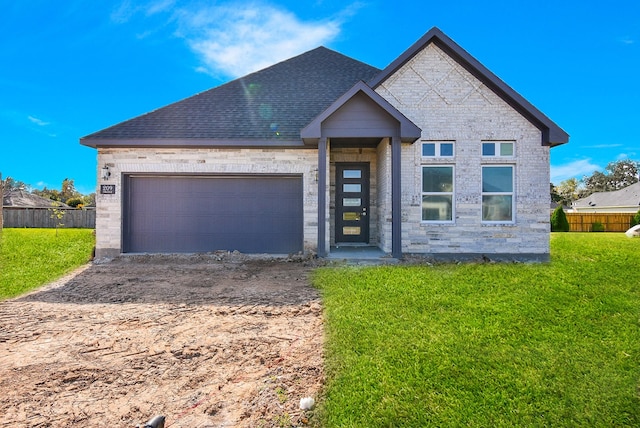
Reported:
(627, 197)
(270, 105)
(21, 198)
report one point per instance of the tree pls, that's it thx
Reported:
(11, 184)
(569, 190)
(635, 219)
(597, 182)
(623, 173)
(617, 175)
(555, 196)
(89, 200)
(68, 190)
(7, 185)
(559, 222)
(52, 194)
(57, 214)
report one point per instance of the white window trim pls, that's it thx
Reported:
(496, 145)
(438, 150)
(452, 193)
(512, 194)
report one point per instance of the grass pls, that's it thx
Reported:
(487, 345)
(30, 258)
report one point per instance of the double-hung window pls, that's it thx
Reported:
(497, 193)
(437, 193)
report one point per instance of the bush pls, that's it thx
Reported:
(597, 227)
(559, 222)
(74, 202)
(635, 219)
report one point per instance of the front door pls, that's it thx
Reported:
(352, 203)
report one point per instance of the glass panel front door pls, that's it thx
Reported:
(352, 203)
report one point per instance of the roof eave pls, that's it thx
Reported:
(187, 143)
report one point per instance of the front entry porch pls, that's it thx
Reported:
(360, 195)
(360, 120)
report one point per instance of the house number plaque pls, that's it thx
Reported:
(107, 189)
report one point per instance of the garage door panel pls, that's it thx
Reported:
(251, 214)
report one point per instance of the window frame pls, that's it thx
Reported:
(452, 193)
(496, 149)
(512, 193)
(438, 149)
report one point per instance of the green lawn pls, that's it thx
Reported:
(30, 258)
(487, 345)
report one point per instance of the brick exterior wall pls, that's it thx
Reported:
(448, 103)
(384, 194)
(200, 161)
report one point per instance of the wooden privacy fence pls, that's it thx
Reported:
(42, 217)
(612, 222)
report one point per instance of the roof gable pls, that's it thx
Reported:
(362, 103)
(552, 134)
(270, 106)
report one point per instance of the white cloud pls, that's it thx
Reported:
(577, 169)
(38, 122)
(237, 39)
(159, 6)
(603, 146)
(127, 9)
(630, 155)
(123, 13)
(627, 40)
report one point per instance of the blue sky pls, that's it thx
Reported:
(71, 67)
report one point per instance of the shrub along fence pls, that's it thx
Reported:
(44, 217)
(612, 222)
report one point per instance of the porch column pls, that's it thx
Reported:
(322, 197)
(396, 198)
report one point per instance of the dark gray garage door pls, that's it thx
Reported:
(177, 214)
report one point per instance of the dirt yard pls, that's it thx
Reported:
(217, 340)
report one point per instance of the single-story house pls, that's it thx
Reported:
(626, 200)
(433, 155)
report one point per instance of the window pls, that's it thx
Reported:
(437, 149)
(352, 188)
(497, 193)
(497, 149)
(437, 193)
